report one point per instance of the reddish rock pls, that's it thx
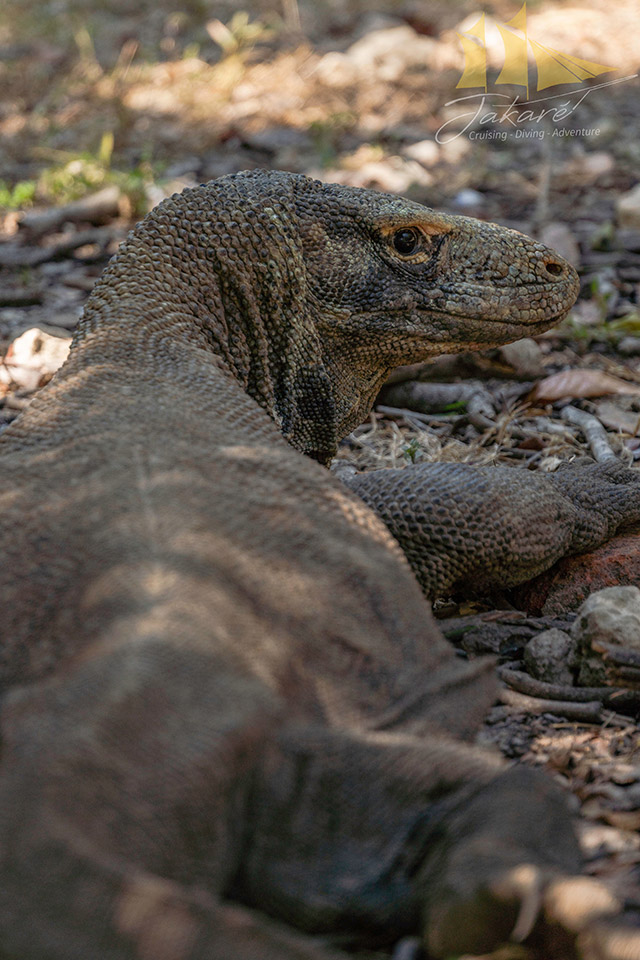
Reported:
(570, 581)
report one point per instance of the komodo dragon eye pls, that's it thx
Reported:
(406, 241)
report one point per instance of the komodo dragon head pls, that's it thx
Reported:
(309, 293)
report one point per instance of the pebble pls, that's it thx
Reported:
(629, 346)
(549, 656)
(525, 356)
(468, 198)
(628, 208)
(426, 152)
(610, 616)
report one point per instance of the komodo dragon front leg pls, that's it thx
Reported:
(471, 529)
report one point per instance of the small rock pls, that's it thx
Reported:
(33, 356)
(468, 199)
(628, 208)
(587, 167)
(336, 70)
(455, 150)
(390, 51)
(597, 163)
(629, 346)
(610, 616)
(587, 313)
(559, 237)
(343, 470)
(426, 152)
(549, 656)
(525, 356)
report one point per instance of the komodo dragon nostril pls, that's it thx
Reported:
(555, 269)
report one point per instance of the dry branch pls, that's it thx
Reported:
(595, 434)
(97, 208)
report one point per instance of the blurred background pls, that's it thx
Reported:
(155, 95)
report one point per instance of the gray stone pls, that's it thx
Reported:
(550, 655)
(467, 199)
(610, 616)
(525, 356)
(629, 346)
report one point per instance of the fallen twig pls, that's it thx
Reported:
(590, 712)
(402, 413)
(16, 255)
(524, 683)
(97, 208)
(437, 397)
(595, 434)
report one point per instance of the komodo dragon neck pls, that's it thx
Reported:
(307, 294)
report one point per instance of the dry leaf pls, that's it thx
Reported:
(580, 384)
(612, 416)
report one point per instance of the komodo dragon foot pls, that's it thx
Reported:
(470, 529)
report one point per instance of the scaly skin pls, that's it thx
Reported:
(471, 529)
(222, 686)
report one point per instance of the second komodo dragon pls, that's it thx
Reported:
(227, 712)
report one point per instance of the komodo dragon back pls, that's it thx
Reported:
(223, 689)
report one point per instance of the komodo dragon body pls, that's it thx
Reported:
(223, 688)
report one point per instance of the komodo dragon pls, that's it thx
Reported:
(227, 711)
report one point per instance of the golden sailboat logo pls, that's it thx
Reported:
(553, 67)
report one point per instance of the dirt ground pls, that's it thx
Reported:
(134, 102)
